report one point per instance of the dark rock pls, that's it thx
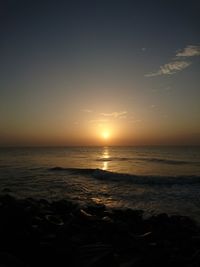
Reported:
(97, 255)
(60, 233)
(9, 260)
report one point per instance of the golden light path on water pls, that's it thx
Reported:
(108, 200)
(105, 158)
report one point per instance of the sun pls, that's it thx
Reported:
(106, 135)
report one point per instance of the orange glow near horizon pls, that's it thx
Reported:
(99, 129)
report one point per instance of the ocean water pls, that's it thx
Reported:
(155, 179)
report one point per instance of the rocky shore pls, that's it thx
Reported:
(61, 233)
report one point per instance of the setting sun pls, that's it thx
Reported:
(106, 135)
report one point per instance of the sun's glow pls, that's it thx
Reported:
(106, 135)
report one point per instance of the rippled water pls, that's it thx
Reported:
(156, 179)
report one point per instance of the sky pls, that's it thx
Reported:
(99, 72)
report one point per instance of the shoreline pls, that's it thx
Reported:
(61, 233)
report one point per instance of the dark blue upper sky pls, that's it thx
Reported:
(60, 59)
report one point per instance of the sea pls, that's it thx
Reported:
(154, 179)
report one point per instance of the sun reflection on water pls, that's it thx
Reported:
(105, 158)
(105, 165)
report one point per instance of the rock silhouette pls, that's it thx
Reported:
(61, 233)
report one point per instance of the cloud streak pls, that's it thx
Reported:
(115, 114)
(189, 51)
(179, 63)
(170, 68)
(99, 121)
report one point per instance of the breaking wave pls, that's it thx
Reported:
(131, 178)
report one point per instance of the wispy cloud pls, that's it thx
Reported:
(87, 110)
(170, 68)
(99, 121)
(177, 64)
(115, 114)
(189, 51)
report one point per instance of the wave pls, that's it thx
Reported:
(73, 170)
(167, 161)
(114, 159)
(109, 176)
(146, 179)
(154, 160)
